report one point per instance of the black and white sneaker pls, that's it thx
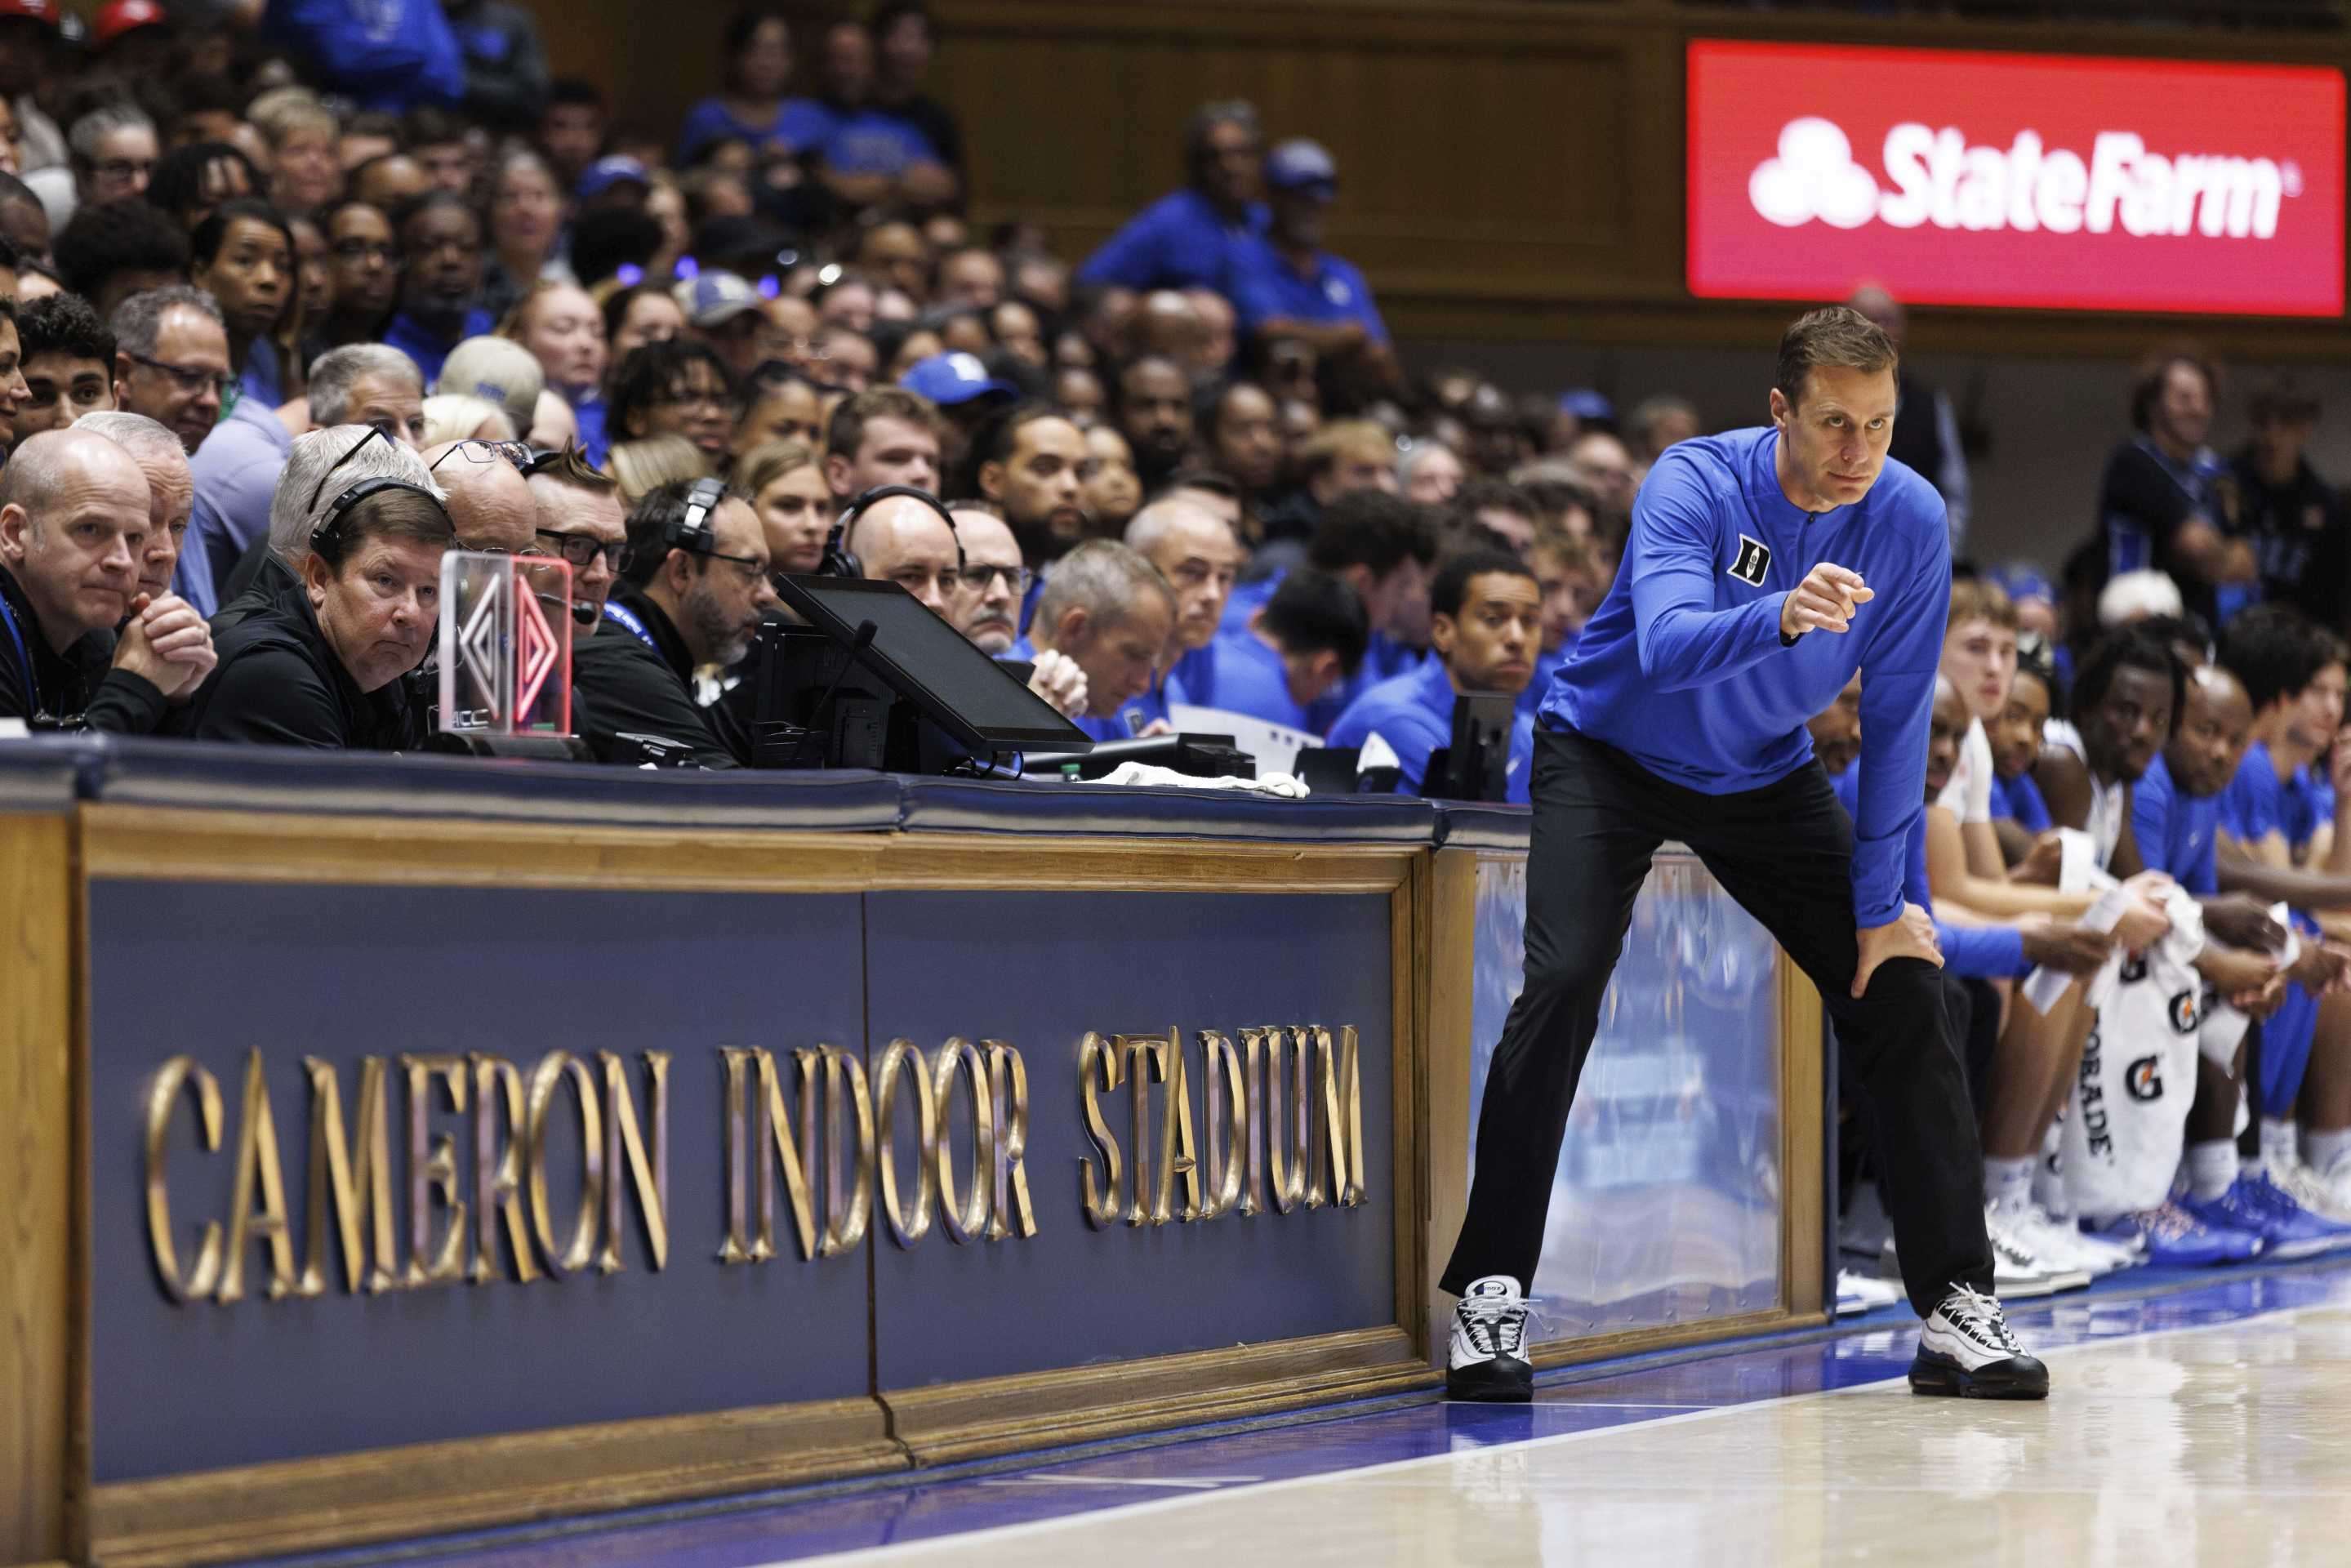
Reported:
(1965, 1348)
(1487, 1359)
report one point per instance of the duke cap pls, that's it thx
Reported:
(948, 379)
(1299, 164)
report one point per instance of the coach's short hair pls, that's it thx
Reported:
(1834, 335)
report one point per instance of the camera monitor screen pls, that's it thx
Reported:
(979, 702)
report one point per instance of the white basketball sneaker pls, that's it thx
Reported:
(1487, 1359)
(1965, 1348)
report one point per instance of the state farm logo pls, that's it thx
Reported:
(1936, 178)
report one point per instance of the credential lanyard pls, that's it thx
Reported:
(625, 619)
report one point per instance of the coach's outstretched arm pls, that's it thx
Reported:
(1684, 641)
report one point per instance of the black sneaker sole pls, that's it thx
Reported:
(2019, 1378)
(1495, 1381)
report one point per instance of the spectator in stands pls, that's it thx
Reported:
(755, 62)
(904, 42)
(1115, 490)
(636, 316)
(968, 400)
(996, 584)
(1303, 644)
(912, 542)
(1341, 458)
(347, 605)
(1572, 587)
(505, 64)
(461, 416)
(1926, 427)
(1498, 443)
(109, 253)
(68, 365)
(888, 436)
(641, 467)
(441, 240)
(1499, 508)
(387, 53)
(1485, 627)
(192, 181)
(501, 372)
(1199, 555)
(525, 230)
(114, 152)
(785, 406)
(1656, 423)
(28, 42)
(1184, 239)
(171, 492)
(1033, 464)
(571, 128)
(24, 222)
(693, 588)
(170, 360)
(490, 506)
(727, 313)
(243, 255)
(785, 480)
(438, 140)
(74, 519)
(868, 155)
(676, 387)
(237, 466)
(363, 261)
(1108, 611)
(1243, 441)
(1155, 413)
(1429, 471)
(1283, 284)
(2294, 519)
(2159, 504)
(1608, 467)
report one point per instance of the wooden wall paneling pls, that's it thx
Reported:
(39, 1356)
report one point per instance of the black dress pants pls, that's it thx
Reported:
(1784, 853)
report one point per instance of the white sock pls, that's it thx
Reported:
(2277, 1144)
(2008, 1184)
(2211, 1168)
(2323, 1152)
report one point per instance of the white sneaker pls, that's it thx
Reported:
(2016, 1259)
(2310, 1190)
(1859, 1293)
(1487, 1359)
(2059, 1245)
(2333, 1187)
(1965, 1348)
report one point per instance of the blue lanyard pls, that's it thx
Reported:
(24, 657)
(626, 619)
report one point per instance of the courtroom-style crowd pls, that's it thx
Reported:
(296, 296)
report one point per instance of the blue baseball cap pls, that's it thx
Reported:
(1299, 164)
(714, 298)
(606, 173)
(951, 379)
(1586, 404)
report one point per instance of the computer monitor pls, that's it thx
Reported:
(980, 704)
(1477, 765)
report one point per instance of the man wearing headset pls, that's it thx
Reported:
(313, 654)
(693, 586)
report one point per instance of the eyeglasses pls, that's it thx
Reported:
(1016, 578)
(363, 249)
(375, 433)
(697, 397)
(123, 168)
(750, 567)
(193, 380)
(582, 549)
(478, 450)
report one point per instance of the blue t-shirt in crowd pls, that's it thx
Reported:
(1240, 674)
(800, 123)
(2176, 831)
(1264, 288)
(1180, 241)
(411, 338)
(1414, 714)
(872, 142)
(1682, 667)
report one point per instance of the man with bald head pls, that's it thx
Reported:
(171, 489)
(490, 504)
(908, 540)
(1926, 427)
(988, 611)
(1109, 610)
(74, 521)
(1200, 556)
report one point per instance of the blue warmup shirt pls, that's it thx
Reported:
(1546, 666)
(2019, 799)
(1385, 659)
(1682, 668)
(1414, 714)
(2258, 802)
(2176, 831)
(1979, 952)
(1239, 674)
(1180, 241)
(1115, 727)
(1263, 287)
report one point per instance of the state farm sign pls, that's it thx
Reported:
(2021, 180)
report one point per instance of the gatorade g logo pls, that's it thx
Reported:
(2133, 969)
(2142, 1079)
(2183, 1013)
(1754, 560)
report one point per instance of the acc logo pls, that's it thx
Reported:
(2184, 1017)
(2142, 1079)
(1753, 560)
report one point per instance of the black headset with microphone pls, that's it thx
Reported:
(838, 559)
(690, 530)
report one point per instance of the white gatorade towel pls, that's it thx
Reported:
(2126, 1119)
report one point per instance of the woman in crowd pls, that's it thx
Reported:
(243, 255)
(785, 480)
(526, 222)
